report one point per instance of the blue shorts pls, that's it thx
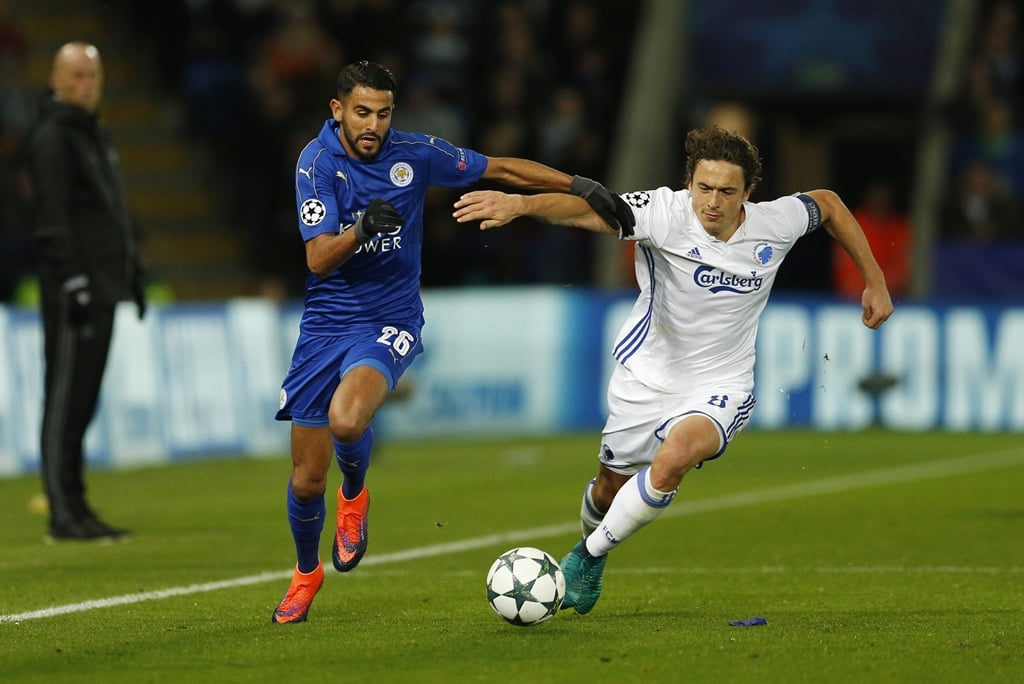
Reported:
(320, 362)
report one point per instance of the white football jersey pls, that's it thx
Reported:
(694, 323)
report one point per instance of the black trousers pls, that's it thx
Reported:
(76, 358)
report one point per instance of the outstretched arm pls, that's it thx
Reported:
(495, 209)
(530, 175)
(843, 227)
(526, 174)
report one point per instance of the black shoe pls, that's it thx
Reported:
(103, 530)
(87, 529)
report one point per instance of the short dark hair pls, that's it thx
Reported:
(368, 75)
(717, 144)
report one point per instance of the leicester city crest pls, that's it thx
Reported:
(401, 174)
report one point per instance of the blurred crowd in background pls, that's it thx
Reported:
(986, 192)
(542, 79)
(528, 79)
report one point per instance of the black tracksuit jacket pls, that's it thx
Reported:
(82, 225)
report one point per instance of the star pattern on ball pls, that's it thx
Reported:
(525, 586)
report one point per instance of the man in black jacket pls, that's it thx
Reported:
(87, 263)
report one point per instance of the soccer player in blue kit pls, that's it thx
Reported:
(359, 190)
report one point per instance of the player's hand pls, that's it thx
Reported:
(877, 306)
(78, 298)
(609, 206)
(490, 207)
(379, 217)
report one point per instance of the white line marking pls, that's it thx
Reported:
(873, 478)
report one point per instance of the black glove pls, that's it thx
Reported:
(380, 217)
(79, 299)
(609, 206)
(139, 292)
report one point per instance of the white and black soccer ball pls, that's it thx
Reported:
(525, 586)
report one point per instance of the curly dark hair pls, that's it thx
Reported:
(715, 143)
(368, 75)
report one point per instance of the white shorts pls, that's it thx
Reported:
(640, 418)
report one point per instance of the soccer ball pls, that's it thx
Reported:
(525, 586)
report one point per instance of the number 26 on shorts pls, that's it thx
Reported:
(399, 340)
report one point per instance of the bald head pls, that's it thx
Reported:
(77, 76)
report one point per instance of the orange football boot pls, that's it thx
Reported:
(350, 539)
(295, 605)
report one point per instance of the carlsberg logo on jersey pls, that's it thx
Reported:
(716, 281)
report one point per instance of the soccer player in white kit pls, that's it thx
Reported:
(706, 259)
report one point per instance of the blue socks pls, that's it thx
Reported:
(306, 518)
(354, 461)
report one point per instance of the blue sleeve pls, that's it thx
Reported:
(315, 199)
(451, 166)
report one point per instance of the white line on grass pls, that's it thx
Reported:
(873, 478)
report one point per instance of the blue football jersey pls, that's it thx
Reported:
(332, 189)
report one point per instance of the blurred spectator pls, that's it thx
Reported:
(213, 81)
(363, 28)
(983, 210)
(17, 111)
(732, 116)
(987, 116)
(980, 208)
(440, 46)
(999, 51)
(889, 234)
(14, 43)
(997, 141)
(504, 130)
(420, 109)
(563, 126)
(299, 56)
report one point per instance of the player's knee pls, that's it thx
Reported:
(347, 434)
(670, 467)
(347, 428)
(689, 443)
(666, 477)
(308, 485)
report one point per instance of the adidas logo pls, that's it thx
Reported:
(693, 253)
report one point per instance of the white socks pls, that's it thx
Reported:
(636, 504)
(590, 517)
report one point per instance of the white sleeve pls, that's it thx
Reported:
(791, 217)
(651, 208)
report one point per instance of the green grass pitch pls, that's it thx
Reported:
(874, 557)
